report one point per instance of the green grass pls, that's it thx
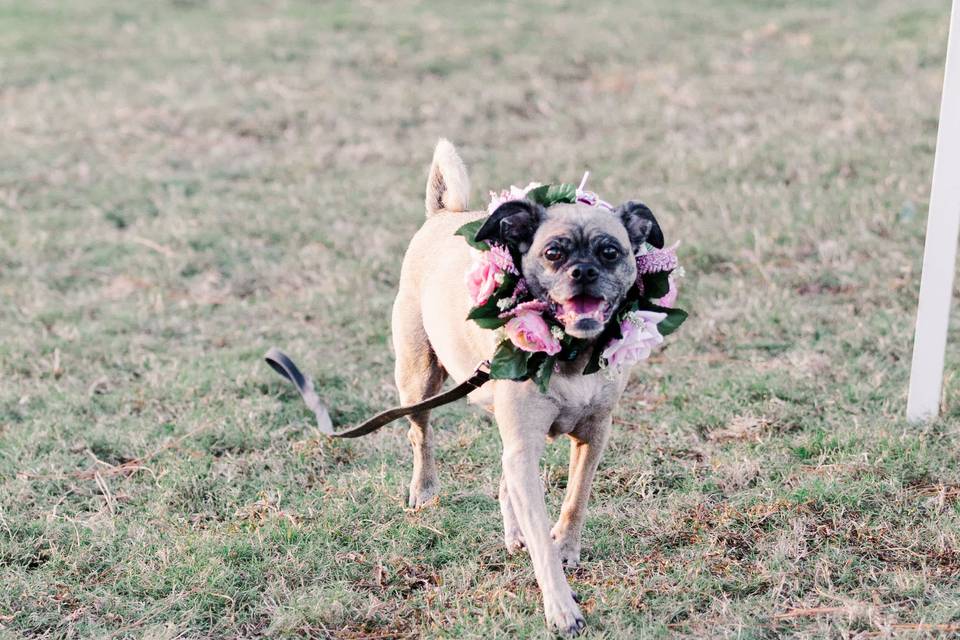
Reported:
(186, 183)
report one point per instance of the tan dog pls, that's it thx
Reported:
(581, 259)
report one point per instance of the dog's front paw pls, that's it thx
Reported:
(567, 548)
(421, 493)
(564, 617)
(569, 555)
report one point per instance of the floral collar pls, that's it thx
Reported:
(532, 341)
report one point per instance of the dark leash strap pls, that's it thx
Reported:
(282, 364)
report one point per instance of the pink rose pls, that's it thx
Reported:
(482, 281)
(640, 336)
(528, 331)
(486, 273)
(534, 306)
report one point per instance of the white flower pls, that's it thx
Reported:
(513, 193)
(640, 336)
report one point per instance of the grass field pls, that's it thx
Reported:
(186, 183)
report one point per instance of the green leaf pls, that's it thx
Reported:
(488, 309)
(490, 323)
(675, 318)
(509, 362)
(542, 375)
(469, 232)
(550, 194)
(539, 195)
(656, 285)
(505, 290)
(572, 348)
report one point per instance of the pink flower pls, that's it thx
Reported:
(535, 306)
(482, 280)
(527, 330)
(657, 260)
(486, 273)
(640, 336)
(670, 299)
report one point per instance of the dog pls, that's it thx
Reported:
(580, 259)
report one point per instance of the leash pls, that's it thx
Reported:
(282, 364)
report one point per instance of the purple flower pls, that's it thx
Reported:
(521, 289)
(501, 257)
(657, 260)
(589, 197)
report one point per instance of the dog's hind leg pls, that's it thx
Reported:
(418, 376)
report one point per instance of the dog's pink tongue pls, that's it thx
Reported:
(583, 305)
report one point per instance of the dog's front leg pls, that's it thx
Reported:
(524, 420)
(586, 447)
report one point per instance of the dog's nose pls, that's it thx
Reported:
(584, 273)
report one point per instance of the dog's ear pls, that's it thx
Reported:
(448, 186)
(513, 224)
(640, 224)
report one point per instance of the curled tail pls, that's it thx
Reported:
(448, 186)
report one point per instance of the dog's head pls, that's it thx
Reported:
(579, 258)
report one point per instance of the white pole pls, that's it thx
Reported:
(940, 250)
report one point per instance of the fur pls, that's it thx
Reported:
(448, 186)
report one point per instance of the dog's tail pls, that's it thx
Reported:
(448, 186)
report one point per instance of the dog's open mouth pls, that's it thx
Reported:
(583, 313)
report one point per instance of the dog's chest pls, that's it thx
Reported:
(583, 400)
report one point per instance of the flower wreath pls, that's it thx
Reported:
(532, 340)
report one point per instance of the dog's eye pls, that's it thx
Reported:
(609, 253)
(553, 254)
